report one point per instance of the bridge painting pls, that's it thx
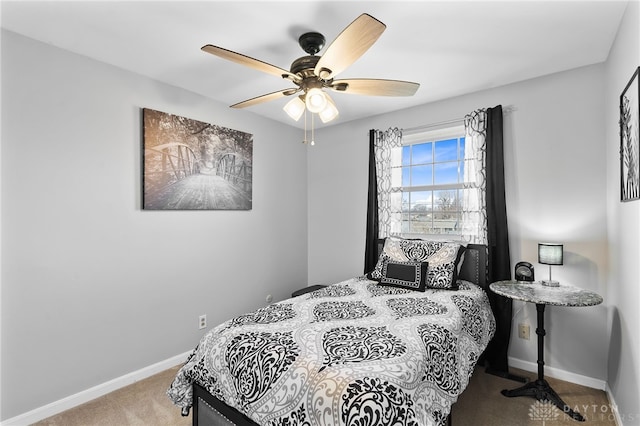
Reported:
(192, 165)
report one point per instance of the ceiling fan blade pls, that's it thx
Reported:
(350, 44)
(265, 98)
(375, 87)
(248, 61)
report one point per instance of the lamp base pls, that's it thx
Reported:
(550, 283)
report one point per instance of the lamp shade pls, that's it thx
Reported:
(315, 100)
(329, 112)
(550, 253)
(295, 108)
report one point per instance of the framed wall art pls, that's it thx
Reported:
(630, 140)
(192, 165)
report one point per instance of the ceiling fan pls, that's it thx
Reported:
(311, 74)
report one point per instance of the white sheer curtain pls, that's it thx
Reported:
(388, 153)
(388, 158)
(474, 207)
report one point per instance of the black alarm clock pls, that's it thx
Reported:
(524, 271)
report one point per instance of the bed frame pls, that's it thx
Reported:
(210, 411)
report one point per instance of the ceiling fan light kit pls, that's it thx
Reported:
(311, 74)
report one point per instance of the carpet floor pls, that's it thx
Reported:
(481, 404)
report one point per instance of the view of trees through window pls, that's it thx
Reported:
(432, 179)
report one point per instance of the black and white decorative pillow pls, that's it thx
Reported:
(409, 275)
(442, 256)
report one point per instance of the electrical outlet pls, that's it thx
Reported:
(202, 321)
(269, 298)
(523, 331)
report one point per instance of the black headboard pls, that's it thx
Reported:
(474, 263)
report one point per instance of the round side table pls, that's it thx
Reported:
(535, 292)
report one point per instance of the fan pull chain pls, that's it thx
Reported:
(305, 127)
(305, 140)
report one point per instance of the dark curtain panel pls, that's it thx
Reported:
(499, 267)
(371, 247)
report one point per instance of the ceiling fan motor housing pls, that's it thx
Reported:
(304, 63)
(311, 43)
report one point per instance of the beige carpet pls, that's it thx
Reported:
(481, 404)
(142, 403)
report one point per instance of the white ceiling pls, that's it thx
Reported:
(449, 47)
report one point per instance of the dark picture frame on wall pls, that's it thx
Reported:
(192, 165)
(630, 139)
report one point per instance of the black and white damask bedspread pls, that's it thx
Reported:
(353, 353)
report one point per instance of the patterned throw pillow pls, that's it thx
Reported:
(409, 275)
(442, 257)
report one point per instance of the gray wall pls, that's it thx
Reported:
(623, 220)
(555, 176)
(556, 190)
(93, 287)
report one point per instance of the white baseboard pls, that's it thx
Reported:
(557, 373)
(612, 401)
(64, 404)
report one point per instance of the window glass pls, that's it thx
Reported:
(421, 175)
(446, 172)
(406, 155)
(446, 150)
(422, 153)
(432, 170)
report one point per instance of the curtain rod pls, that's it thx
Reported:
(505, 110)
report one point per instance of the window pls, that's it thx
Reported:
(431, 176)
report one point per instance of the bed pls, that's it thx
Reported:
(395, 346)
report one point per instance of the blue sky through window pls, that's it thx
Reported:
(433, 163)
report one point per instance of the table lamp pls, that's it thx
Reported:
(550, 254)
